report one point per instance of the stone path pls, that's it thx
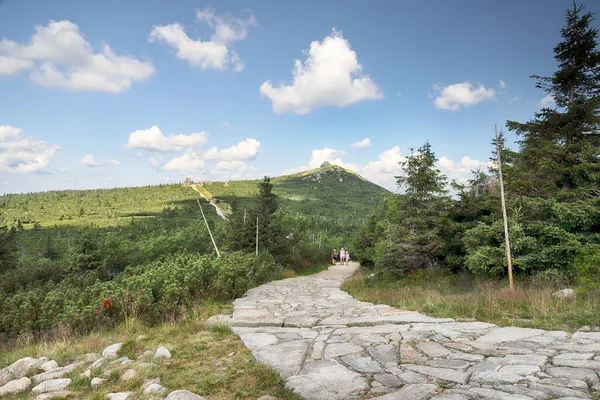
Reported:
(328, 345)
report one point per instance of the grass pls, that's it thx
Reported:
(314, 269)
(210, 362)
(464, 297)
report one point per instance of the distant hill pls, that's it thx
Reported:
(331, 191)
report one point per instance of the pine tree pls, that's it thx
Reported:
(560, 147)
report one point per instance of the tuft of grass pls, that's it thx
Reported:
(463, 296)
(220, 329)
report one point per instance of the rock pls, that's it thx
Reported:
(112, 351)
(522, 370)
(411, 392)
(54, 395)
(5, 376)
(150, 382)
(444, 363)
(581, 374)
(329, 382)
(362, 364)
(154, 389)
(445, 374)
(86, 374)
(286, 358)
(565, 294)
(97, 363)
(219, 320)
(15, 386)
(23, 367)
(121, 361)
(97, 381)
(52, 385)
(162, 352)
(384, 354)
(529, 359)
(49, 365)
(496, 377)
(492, 394)
(147, 354)
(508, 334)
(55, 373)
(558, 392)
(433, 349)
(119, 396)
(183, 395)
(129, 375)
(340, 349)
(268, 397)
(388, 380)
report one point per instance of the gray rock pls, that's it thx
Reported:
(49, 365)
(384, 354)
(588, 364)
(508, 334)
(444, 363)
(48, 396)
(154, 388)
(15, 386)
(496, 377)
(340, 349)
(162, 352)
(574, 356)
(445, 374)
(497, 394)
(581, 374)
(150, 382)
(218, 320)
(268, 397)
(52, 385)
(433, 349)
(565, 294)
(24, 367)
(413, 377)
(119, 396)
(183, 395)
(531, 359)
(388, 380)
(557, 391)
(522, 370)
(286, 358)
(5, 376)
(55, 373)
(450, 396)
(362, 364)
(97, 381)
(97, 363)
(129, 375)
(334, 382)
(112, 351)
(86, 374)
(411, 392)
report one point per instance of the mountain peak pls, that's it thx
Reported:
(325, 164)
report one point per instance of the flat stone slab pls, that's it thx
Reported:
(328, 345)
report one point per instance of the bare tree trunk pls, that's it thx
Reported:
(256, 235)
(207, 227)
(507, 240)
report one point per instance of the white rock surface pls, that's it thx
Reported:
(220, 319)
(119, 396)
(55, 373)
(48, 396)
(183, 395)
(154, 388)
(49, 365)
(24, 367)
(129, 375)
(112, 351)
(97, 381)
(15, 386)
(162, 352)
(52, 385)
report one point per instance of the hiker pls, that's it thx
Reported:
(334, 256)
(342, 255)
(347, 257)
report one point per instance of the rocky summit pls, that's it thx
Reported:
(328, 345)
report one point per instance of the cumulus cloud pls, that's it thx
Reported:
(502, 84)
(330, 76)
(233, 170)
(245, 150)
(190, 162)
(90, 161)
(59, 57)
(23, 154)
(384, 170)
(366, 142)
(454, 97)
(216, 53)
(154, 139)
(461, 170)
(548, 102)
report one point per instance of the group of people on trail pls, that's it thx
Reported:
(342, 257)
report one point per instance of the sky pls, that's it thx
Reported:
(99, 94)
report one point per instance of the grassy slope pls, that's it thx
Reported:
(330, 191)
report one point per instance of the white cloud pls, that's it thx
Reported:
(453, 97)
(59, 57)
(225, 123)
(460, 171)
(190, 162)
(233, 170)
(502, 84)
(330, 76)
(23, 154)
(215, 53)
(90, 161)
(153, 139)
(384, 170)
(154, 161)
(366, 142)
(548, 102)
(245, 150)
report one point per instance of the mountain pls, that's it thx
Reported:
(330, 191)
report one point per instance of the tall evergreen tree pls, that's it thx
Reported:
(415, 221)
(560, 148)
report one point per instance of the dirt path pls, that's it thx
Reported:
(328, 346)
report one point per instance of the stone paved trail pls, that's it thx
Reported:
(328, 345)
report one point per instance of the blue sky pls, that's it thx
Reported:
(110, 93)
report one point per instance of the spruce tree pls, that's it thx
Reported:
(560, 147)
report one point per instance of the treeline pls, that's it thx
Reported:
(552, 185)
(153, 268)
